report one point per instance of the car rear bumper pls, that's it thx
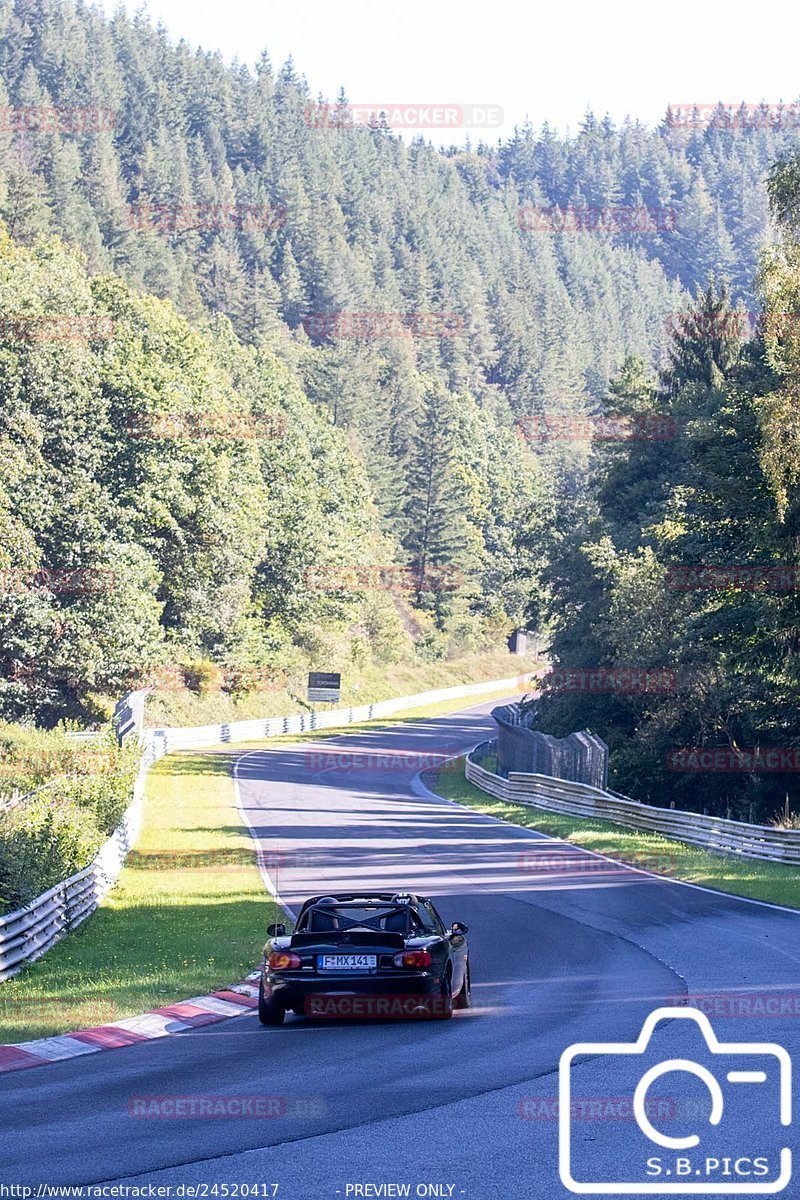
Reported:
(412, 994)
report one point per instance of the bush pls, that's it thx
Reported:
(431, 647)
(105, 796)
(203, 676)
(43, 841)
(30, 757)
(56, 832)
(784, 818)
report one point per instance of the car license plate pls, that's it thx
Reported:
(347, 962)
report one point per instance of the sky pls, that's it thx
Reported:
(542, 61)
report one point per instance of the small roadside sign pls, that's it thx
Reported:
(324, 687)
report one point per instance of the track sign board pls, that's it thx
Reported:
(324, 687)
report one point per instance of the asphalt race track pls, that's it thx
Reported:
(573, 949)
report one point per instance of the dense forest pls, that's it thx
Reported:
(393, 336)
(684, 560)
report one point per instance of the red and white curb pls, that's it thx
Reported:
(229, 1002)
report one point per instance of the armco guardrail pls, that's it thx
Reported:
(165, 740)
(30, 931)
(718, 834)
(27, 933)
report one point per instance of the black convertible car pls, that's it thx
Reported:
(365, 955)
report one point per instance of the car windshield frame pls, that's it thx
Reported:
(383, 910)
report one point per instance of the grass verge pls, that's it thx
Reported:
(188, 914)
(775, 882)
(360, 685)
(190, 885)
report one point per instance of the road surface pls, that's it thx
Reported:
(565, 948)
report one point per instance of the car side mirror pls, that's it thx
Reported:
(278, 930)
(458, 929)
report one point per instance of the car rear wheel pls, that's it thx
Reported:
(444, 1009)
(464, 997)
(270, 1012)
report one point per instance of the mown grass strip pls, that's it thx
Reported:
(775, 882)
(189, 911)
(188, 914)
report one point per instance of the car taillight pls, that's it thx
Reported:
(283, 960)
(416, 959)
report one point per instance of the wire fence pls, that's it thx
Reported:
(582, 757)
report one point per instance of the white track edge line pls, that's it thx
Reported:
(698, 887)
